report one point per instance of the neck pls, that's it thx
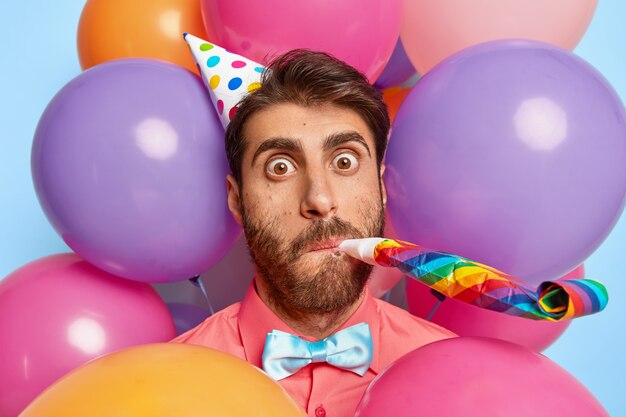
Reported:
(315, 325)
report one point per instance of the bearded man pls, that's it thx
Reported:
(305, 151)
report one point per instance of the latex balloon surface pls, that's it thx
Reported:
(129, 166)
(476, 377)
(362, 33)
(162, 380)
(58, 312)
(114, 29)
(512, 154)
(434, 30)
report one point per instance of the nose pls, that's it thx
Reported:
(318, 200)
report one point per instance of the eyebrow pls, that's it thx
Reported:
(337, 139)
(293, 145)
(286, 144)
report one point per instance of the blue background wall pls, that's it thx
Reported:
(38, 56)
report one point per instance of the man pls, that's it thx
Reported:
(306, 150)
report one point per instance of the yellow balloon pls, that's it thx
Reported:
(160, 380)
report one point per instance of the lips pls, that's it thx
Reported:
(326, 244)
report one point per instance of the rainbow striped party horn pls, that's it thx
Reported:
(480, 285)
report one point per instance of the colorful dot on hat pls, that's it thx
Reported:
(238, 64)
(215, 81)
(232, 112)
(259, 69)
(206, 47)
(220, 106)
(213, 61)
(234, 83)
(253, 86)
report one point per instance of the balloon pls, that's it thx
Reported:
(129, 166)
(398, 70)
(394, 97)
(59, 312)
(162, 380)
(113, 29)
(468, 320)
(512, 154)
(186, 316)
(434, 30)
(475, 377)
(361, 33)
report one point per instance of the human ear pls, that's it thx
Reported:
(234, 200)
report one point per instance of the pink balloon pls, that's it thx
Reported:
(58, 312)
(434, 30)
(476, 377)
(468, 320)
(362, 33)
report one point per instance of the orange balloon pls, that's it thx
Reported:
(393, 97)
(113, 29)
(434, 30)
(164, 380)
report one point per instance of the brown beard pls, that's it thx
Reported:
(331, 285)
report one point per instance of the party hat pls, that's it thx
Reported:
(227, 76)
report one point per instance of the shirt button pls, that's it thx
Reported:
(320, 412)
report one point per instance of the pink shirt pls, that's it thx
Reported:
(320, 389)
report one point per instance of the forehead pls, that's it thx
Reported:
(310, 124)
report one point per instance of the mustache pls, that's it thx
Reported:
(323, 230)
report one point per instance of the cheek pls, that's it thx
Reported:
(268, 201)
(360, 189)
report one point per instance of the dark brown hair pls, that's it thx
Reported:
(309, 78)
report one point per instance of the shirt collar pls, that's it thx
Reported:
(256, 320)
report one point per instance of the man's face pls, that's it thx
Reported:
(309, 181)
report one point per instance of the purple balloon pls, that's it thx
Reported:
(186, 316)
(398, 69)
(129, 166)
(511, 153)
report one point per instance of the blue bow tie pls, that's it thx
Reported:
(350, 349)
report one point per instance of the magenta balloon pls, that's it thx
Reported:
(467, 320)
(476, 377)
(362, 33)
(510, 153)
(129, 166)
(58, 312)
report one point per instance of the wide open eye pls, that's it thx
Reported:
(346, 162)
(280, 166)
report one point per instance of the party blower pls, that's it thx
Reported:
(480, 285)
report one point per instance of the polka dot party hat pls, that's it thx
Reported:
(227, 76)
